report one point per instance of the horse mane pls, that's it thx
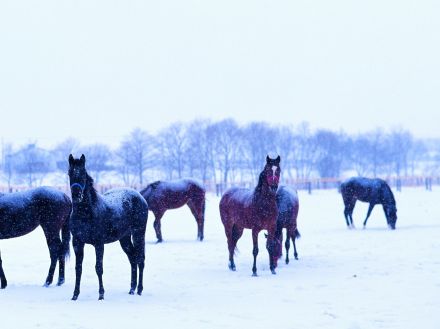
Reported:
(391, 200)
(93, 192)
(259, 186)
(150, 187)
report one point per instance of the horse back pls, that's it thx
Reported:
(288, 207)
(23, 212)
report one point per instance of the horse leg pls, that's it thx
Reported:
(287, 245)
(139, 252)
(350, 213)
(370, 209)
(3, 282)
(156, 225)
(293, 237)
(255, 251)
(54, 244)
(99, 251)
(78, 248)
(128, 248)
(231, 246)
(198, 211)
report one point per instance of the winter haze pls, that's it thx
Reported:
(94, 70)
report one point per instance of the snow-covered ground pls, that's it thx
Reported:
(373, 278)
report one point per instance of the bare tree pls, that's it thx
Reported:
(258, 141)
(226, 137)
(305, 151)
(7, 166)
(200, 149)
(33, 163)
(98, 157)
(135, 156)
(172, 143)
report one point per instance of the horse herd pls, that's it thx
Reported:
(121, 215)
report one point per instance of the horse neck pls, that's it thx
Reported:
(263, 193)
(89, 201)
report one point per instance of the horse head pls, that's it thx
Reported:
(391, 214)
(77, 176)
(272, 171)
(274, 247)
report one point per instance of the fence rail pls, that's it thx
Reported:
(309, 185)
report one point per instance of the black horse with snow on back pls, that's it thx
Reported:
(118, 214)
(288, 207)
(23, 212)
(372, 190)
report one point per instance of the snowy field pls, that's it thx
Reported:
(373, 278)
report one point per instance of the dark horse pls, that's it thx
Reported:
(118, 214)
(372, 190)
(257, 210)
(162, 196)
(288, 206)
(23, 212)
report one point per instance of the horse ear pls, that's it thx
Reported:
(82, 159)
(70, 159)
(267, 159)
(265, 235)
(278, 160)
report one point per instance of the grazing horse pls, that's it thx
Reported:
(118, 214)
(257, 210)
(162, 196)
(23, 212)
(288, 206)
(372, 190)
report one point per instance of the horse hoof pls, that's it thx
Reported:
(254, 274)
(287, 261)
(273, 272)
(75, 297)
(232, 268)
(60, 282)
(3, 284)
(47, 284)
(131, 292)
(159, 241)
(139, 293)
(101, 297)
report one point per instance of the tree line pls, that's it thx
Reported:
(225, 152)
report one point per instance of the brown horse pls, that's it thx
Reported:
(257, 210)
(164, 195)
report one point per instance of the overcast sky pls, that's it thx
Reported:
(96, 69)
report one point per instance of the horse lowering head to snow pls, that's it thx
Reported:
(256, 210)
(372, 190)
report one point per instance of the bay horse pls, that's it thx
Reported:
(164, 195)
(372, 190)
(255, 209)
(22, 212)
(288, 207)
(118, 214)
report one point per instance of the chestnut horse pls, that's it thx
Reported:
(371, 190)
(164, 195)
(255, 209)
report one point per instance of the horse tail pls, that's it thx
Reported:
(65, 241)
(65, 233)
(296, 235)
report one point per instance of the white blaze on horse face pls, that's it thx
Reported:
(274, 169)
